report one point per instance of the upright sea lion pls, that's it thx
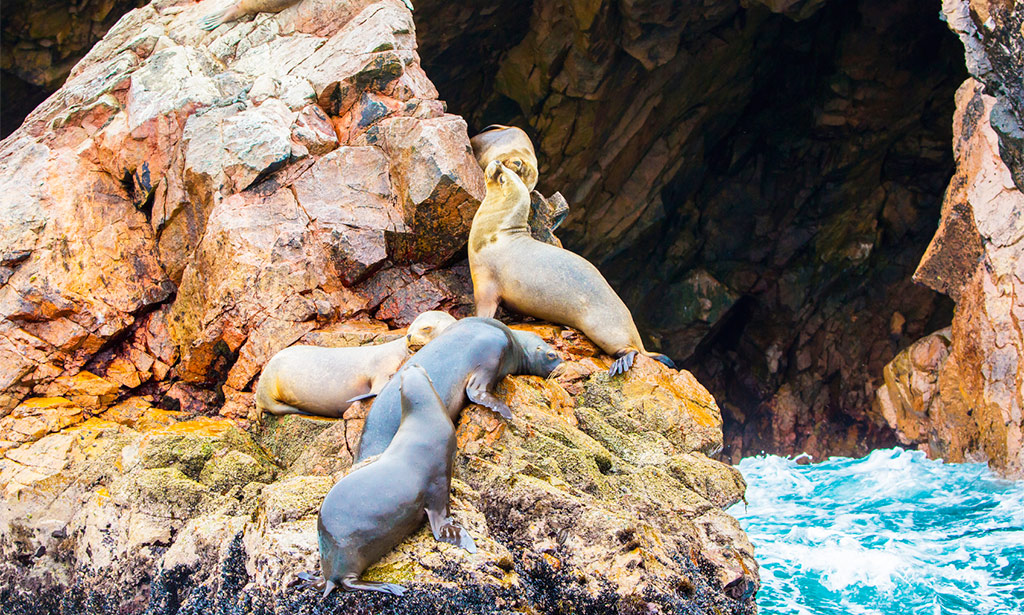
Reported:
(372, 509)
(510, 145)
(325, 381)
(465, 362)
(542, 280)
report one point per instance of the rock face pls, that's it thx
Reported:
(188, 204)
(757, 179)
(183, 207)
(41, 42)
(600, 494)
(957, 393)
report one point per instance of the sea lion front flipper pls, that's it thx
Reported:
(446, 530)
(477, 393)
(623, 361)
(360, 398)
(211, 21)
(353, 583)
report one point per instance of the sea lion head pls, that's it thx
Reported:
(541, 358)
(426, 327)
(499, 177)
(510, 145)
(417, 389)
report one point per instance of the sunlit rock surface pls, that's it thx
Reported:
(958, 393)
(757, 179)
(188, 204)
(599, 496)
(183, 208)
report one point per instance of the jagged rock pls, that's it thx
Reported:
(602, 498)
(958, 394)
(224, 218)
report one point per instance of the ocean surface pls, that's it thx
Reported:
(893, 532)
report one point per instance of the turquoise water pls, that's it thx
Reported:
(893, 532)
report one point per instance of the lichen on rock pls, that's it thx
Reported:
(190, 203)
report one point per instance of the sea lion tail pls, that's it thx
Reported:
(328, 588)
(662, 358)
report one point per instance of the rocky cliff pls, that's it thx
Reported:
(758, 179)
(958, 393)
(187, 204)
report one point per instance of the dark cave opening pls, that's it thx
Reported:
(771, 243)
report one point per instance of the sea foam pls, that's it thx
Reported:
(890, 533)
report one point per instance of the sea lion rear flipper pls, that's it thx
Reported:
(477, 393)
(623, 361)
(445, 529)
(360, 398)
(305, 580)
(353, 583)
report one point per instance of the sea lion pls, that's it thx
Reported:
(375, 507)
(510, 145)
(465, 362)
(541, 280)
(325, 381)
(241, 8)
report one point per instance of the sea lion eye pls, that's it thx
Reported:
(428, 329)
(551, 354)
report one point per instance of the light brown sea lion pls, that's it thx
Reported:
(541, 280)
(325, 381)
(510, 145)
(376, 506)
(241, 8)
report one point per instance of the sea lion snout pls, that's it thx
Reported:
(426, 327)
(494, 171)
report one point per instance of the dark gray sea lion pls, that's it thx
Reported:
(541, 280)
(510, 145)
(376, 506)
(325, 381)
(465, 362)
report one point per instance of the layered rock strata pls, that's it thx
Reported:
(957, 394)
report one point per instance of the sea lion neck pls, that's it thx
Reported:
(507, 213)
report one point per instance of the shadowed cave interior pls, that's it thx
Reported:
(770, 248)
(759, 187)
